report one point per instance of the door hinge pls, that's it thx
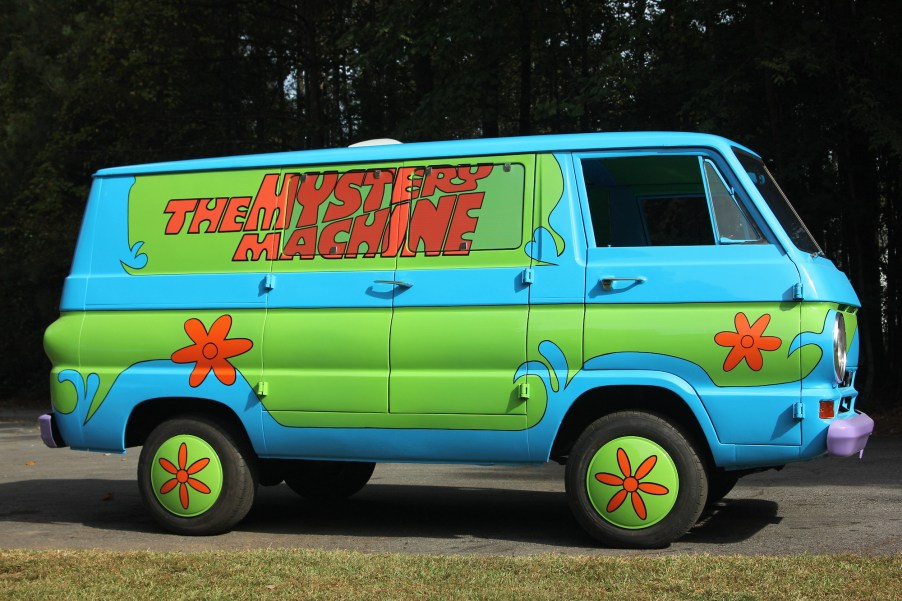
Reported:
(262, 389)
(529, 276)
(269, 281)
(798, 410)
(798, 292)
(524, 390)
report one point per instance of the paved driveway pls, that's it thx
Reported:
(64, 499)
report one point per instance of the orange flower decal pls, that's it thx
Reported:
(183, 475)
(747, 342)
(211, 350)
(631, 484)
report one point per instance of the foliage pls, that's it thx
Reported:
(813, 85)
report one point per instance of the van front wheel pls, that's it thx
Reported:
(635, 480)
(196, 477)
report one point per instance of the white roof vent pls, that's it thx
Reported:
(374, 142)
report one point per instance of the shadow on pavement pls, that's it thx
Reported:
(733, 521)
(379, 511)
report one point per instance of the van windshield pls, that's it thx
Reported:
(778, 203)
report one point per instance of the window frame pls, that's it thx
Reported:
(723, 168)
(732, 190)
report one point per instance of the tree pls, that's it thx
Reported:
(90, 84)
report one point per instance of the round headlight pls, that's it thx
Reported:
(839, 347)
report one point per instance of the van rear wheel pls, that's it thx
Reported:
(322, 481)
(196, 477)
(635, 480)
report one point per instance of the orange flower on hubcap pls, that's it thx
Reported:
(211, 350)
(183, 475)
(747, 342)
(630, 483)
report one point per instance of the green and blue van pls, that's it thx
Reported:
(646, 308)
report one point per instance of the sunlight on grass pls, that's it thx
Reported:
(296, 574)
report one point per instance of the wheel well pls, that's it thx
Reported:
(151, 413)
(602, 401)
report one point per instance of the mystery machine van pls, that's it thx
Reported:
(647, 308)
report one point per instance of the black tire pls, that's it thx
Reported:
(676, 463)
(720, 483)
(231, 488)
(325, 481)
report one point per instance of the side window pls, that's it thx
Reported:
(333, 214)
(459, 208)
(663, 201)
(734, 226)
(365, 217)
(676, 220)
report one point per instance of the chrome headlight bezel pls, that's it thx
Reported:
(839, 347)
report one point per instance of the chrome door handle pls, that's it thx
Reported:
(395, 283)
(607, 283)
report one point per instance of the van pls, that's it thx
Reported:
(646, 308)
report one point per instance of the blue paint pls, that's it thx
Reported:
(134, 259)
(473, 287)
(562, 282)
(440, 150)
(822, 281)
(542, 247)
(85, 388)
(105, 429)
(395, 445)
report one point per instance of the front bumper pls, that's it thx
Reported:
(50, 434)
(846, 437)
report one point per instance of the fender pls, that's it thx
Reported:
(543, 434)
(105, 429)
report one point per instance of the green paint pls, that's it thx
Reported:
(851, 327)
(208, 252)
(615, 498)
(333, 360)
(186, 475)
(501, 227)
(109, 352)
(469, 372)
(814, 320)
(687, 332)
(331, 366)
(328, 218)
(550, 190)
(435, 421)
(562, 324)
(61, 346)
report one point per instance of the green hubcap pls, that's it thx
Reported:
(186, 475)
(632, 482)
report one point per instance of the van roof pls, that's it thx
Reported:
(443, 149)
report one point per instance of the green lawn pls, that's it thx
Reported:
(297, 574)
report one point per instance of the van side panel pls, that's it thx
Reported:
(331, 303)
(459, 323)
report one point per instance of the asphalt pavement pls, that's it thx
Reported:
(64, 499)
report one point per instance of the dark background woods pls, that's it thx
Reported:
(84, 84)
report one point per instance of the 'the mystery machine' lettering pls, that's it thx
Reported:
(365, 213)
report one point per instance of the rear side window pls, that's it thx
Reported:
(674, 200)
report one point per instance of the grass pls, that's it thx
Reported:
(297, 574)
